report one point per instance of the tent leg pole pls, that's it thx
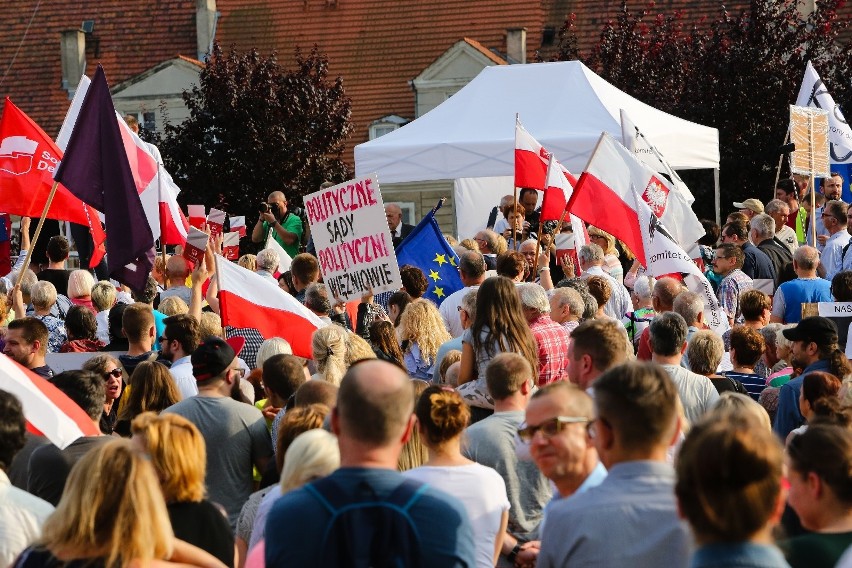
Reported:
(717, 196)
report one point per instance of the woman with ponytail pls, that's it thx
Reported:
(442, 416)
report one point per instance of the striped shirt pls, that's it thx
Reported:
(753, 382)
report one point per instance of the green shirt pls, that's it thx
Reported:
(292, 224)
(816, 550)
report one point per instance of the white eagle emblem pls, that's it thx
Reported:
(656, 195)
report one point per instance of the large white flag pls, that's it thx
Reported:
(814, 94)
(665, 256)
(284, 259)
(646, 152)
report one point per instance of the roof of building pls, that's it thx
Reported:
(129, 37)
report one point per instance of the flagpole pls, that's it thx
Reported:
(515, 203)
(37, 232)
(813, 181)
(218, 287)
(780, 162)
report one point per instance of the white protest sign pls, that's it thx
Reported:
(352, 239)
(835, 309)
(196, 243)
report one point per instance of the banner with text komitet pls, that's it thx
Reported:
(352, 239)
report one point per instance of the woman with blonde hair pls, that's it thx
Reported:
(422, 331)
(179, 456)
(334, 349)
(173, 305)
(611, 265)
(442, 416)
(80, 284)
(153, 390)
(111, 514)
(414, 452)
(248, 261)
(312, 455)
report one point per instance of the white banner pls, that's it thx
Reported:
(352, 239)
(813, 93)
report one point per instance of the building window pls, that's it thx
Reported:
(149, 121)
(408, 211)
(386, 125)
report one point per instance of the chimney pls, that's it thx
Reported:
(73, 56)
(516, 45)
(206, 17)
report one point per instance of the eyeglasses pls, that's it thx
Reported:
(116, 373)
(163, 338)
(548, 428)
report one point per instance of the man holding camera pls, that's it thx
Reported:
(285, 225)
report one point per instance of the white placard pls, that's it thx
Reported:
(196, 244)
(835, 309)
(352, 239)
(216, 221)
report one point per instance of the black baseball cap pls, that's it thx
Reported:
(820, 330)
(214, 355)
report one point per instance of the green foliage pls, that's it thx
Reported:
(738, 73)
(255, 127)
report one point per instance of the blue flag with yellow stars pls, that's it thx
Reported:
(427, 249)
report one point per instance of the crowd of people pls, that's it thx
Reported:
(561, 409)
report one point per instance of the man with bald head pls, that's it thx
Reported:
(398, 229)
(177, 270)
(373, 419)
(286, 226)
(662, 300)
(808, 288)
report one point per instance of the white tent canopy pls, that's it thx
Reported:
(564, 105)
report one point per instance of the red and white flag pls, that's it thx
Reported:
(197, 215)
(603, 197)
(48, 410)
(558, 187)
(247, 299)
(231, 245)
(531, 161)
(238, 223)
(216, 221)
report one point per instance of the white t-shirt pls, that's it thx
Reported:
(481, 491)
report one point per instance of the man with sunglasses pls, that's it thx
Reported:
(630, 518)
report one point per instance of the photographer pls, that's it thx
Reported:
(286, 226)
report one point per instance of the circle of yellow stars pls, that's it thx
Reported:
(441, 259)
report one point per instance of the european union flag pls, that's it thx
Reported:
(427, 249)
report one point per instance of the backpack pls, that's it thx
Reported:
(371, 532)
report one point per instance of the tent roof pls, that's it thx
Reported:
(564, 105)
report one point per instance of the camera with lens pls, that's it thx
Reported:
(263, 207)
(269, 208)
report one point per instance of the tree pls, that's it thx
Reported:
(255, 127)
(738, 73)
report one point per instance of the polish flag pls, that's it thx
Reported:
(284, 259)
(558, 185)
(231, 245)
(197, 215)
(49, 412)
(531, 161)
(249, 300)
(238, 223)
(603, 197)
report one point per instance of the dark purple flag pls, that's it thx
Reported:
(96, 170)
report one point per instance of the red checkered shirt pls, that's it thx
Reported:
(552, 341)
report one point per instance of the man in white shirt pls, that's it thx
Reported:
(21, 514)
(179, 341)
(472, 273)
(834, 220)
(591, 259)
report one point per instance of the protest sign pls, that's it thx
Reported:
(196, 243)
(352, 239)
(197, 216)
(809, 132)
(841, 314)
(216, 221)
(231, 245)
(239, 224)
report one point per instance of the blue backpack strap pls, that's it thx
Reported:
(328, 493)
(408, 492)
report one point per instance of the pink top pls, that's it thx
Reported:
(255, 557)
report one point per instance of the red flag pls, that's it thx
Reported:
(250, 300)
(28, 158)
(47, 409)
